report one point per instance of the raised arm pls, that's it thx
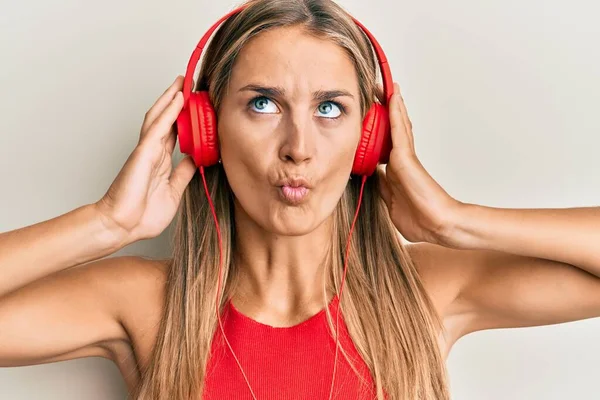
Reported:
(59, 298)
(73, 313)
(489, 267)
(77, 237)
(45, 313)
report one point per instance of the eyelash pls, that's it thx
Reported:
(337, 104)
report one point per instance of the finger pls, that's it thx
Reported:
(384, 187)
(163, 124)
(161, 103)
(182, 175)
(406, 119)
(400, 137)
(171, 140)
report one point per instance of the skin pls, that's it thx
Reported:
(281, 246)
(477, 279)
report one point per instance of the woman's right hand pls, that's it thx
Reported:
(143, 199)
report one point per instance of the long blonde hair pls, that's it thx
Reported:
(389, 316)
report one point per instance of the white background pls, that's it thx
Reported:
(502, 96)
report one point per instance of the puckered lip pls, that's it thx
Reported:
(294, 181)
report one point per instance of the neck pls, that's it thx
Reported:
(284, 273)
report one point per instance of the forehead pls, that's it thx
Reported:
(293, 59)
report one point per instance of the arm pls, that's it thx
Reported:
(77, 237)
(570, 235)
(139, 204)
(50, 311)
(519, 267)
(71, 314)
(489, 267)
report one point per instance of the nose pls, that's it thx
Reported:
(298, 144)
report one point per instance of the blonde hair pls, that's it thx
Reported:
(389, 316)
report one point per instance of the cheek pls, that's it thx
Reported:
(341, 161)
(244, 138)
(245, 171)
(244, 163)
(347, 134)
(231, 132)
(341, 150)
(250, 191)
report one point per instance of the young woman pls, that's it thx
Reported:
(249, 308)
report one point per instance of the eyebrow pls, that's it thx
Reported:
(276, 91)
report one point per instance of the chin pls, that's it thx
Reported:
(282, 219)
(292, 221)
(292, 228)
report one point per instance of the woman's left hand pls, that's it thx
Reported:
(419, 207)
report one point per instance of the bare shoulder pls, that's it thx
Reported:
(435, 265)
(140, 283)
(134, 287)
(108, 308)
(443, 277)
(135, 284)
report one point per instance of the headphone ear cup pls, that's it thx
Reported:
(184, 130)
(375, 141)
(196, 130)
(208, 153)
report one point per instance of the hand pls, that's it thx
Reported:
(419, 207)
(143, 199)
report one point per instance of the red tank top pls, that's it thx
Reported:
(285, 363)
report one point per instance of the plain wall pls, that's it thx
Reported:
(502, 96)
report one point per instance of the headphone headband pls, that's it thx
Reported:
(386, 74)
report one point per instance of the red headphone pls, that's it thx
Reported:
(197, 132)
(197, 121)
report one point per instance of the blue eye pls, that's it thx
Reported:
(326, 108)
(261, 104)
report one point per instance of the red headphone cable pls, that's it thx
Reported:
(364, 179)
(337, 314)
